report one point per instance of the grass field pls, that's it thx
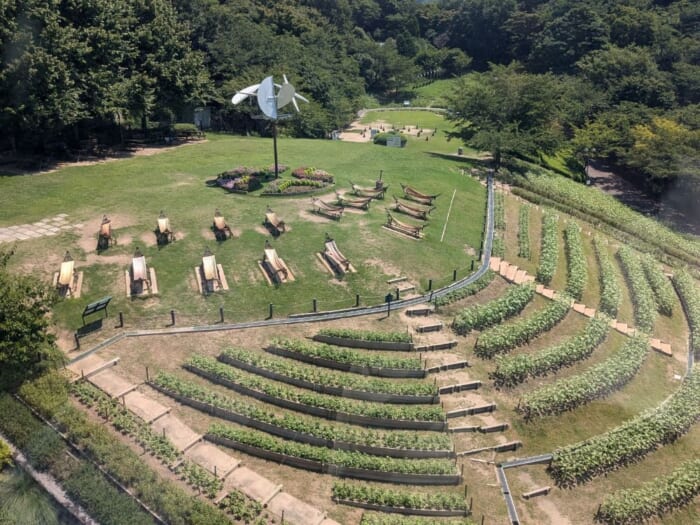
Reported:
(133, 191)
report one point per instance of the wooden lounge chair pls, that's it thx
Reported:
(220, 228)
(417, 196)
(374, 193)
(360, 202)
(209, 272)
(67, 276)
(413, 211)
(273, 223)
(338, 262)
(274, 265)
(164, 233)
(139, 273)
(326, 209)
(407, 229)
(105, 237)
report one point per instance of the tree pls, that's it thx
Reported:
(506, 112)
(27, 349)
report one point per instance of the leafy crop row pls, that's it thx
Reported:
(384, 519)
(498, 247)
(325, 455)
(345, 355)
(505, 337)
(348, 406)
(631, 440)
(397, 498)
(499, 211)
(367, 335)
(642, 295)
(660, 284)
(549, 250)
(512, 370)
(524, 231)
(472, 289)
(242, 508)
(610, 291)
(306, 425)
(690, 295)
(482, 316)
(596, 382)
(576, 261)
(654, 498)
(318, 376)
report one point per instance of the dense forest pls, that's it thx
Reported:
(613, 79)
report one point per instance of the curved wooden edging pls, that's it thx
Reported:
(395, 373)
(302, 437)
(403, 510)
(337, 470)
(330, 390)
(359, 343)
(320, 411)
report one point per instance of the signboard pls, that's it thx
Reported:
(394, 141)
(97, 306)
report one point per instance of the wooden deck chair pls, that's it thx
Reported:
(402, 227)
(105, 237)
(417, 196)
(335, 257)
(139, 274)
(209, 272)
(273, 223)
(66, 276)
(163, 232)
(273, 264)
(220, 228)
(326, 209)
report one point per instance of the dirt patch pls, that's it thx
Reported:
(386, 267)
(120, 260)
(262, 230)
(90, 229)
(149, 239)
(314, 217)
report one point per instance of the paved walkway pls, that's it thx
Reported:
(512, 273)
(294, 511)
(43, 228)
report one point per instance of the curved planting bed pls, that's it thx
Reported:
(481, 316)
(329, 407)
(399, 502)
(328, 383)
(337, 462)
(503, 338)
(346, 360)
(365, 339)
(630, 441)
(512, 370)
(597, 382)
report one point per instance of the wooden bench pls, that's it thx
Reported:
(327, 210)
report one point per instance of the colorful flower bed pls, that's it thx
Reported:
(305, 173)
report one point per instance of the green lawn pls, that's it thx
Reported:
(133, 191)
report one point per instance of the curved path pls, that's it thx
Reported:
(330, 315)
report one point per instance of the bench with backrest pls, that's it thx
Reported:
(105, 236)
(164, 232)
(67, 275)
(326, 209)
(360, 202)
(413, 211)
(402, 227)
(220, 228)
(209, 272)
(139, 274)
(273, 222)
(374, 193)
(417, 196)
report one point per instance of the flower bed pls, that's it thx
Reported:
(294, 186)
(312, 174)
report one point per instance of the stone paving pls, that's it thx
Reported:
(516, 275)
(43, 228)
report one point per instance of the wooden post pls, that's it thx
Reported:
(172, 317)
(454, 274)
(147, 378)
(121, 320)
(221, 314)
(315, 309)
(357, 299)
(397, 293)
(270, 314)
(430, 285)
(77, 340)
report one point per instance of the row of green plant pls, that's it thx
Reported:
(335, 403)
(481, 316)
(126, 423)
(467, 291)
(312, 426)
(653, 498)
(689, 293)
(397, 498)
(610, 291)
(549, 250)
(642, 294)
(503, 338)
(157, 444)
(318, 376)
(577, 276)
(498, 246)
(344, 458)
(514, 369)
(499, 211)
(660, 284)
(303, 172)
(367, 335)
(284, 186)
(570, 197)
(524, 231)
(242, 508)
(82, 481)
(346, 355)
(384, 519)
(596, 382)
(630, 441)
